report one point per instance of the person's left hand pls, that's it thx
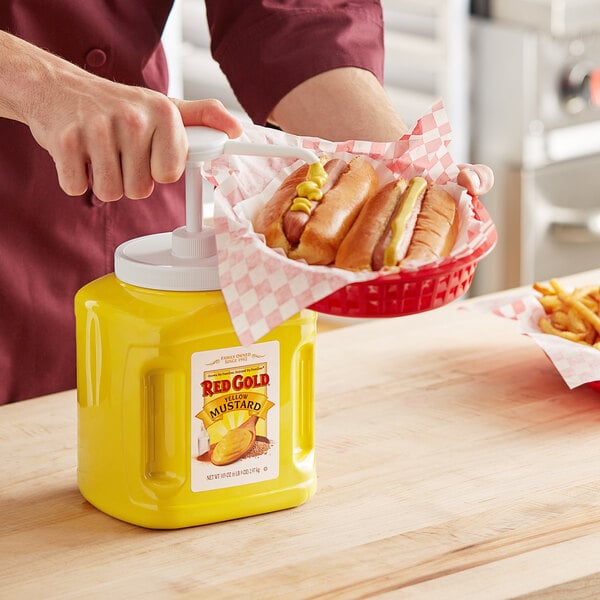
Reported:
(477, 179)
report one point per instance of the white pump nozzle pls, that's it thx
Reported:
(186, 259)
(233, 147)
(205, 143)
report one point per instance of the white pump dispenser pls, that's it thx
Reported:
(186, 259)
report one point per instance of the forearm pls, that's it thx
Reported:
(23, 67)
(47, 92)
(350, 104)
(17, 70)
(340, 104)
(127, 137)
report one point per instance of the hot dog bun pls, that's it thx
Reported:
(356, 250)
(436, 229)
(316, 237)
(401, 224)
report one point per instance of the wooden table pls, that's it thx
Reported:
(453, 462)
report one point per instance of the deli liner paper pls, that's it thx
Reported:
(576, 363)
(261, 286)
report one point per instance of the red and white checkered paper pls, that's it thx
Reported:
(576, 363)
(261, 286)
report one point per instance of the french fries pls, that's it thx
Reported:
(574, 315)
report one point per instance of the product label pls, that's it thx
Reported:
(235, 416)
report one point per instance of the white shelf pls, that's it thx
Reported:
(557, 17)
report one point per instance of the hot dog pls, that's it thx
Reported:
(312, 228)
(400, 224)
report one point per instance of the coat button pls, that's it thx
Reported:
(95, 58)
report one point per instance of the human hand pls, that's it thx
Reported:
(121, 138)
(477, 179)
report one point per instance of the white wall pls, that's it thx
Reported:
(172, 42)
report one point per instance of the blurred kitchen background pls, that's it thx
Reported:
(521, 84)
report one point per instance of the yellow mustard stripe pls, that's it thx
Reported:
(415, 188)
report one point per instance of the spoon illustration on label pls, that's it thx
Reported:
(235, 443)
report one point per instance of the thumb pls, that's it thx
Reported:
(477, 179)
(210, 113)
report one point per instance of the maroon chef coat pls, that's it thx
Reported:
(52, 244)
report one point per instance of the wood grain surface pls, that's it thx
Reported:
(453, 463)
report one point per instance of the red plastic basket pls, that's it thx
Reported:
(407, 293)
(595, 385)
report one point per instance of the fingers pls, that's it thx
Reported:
(136, 143)
(91, 155)
(136, 174)
(104, 161)
(71, 163)
(168, 149)
(477, 179)
(210, 113)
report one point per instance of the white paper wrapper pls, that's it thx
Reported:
(576, 363)
(261, 286)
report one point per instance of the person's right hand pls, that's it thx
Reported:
(477, 179)
(121, 138)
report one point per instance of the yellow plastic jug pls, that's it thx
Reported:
(179, 424)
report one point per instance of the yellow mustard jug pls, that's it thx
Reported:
(178, 424)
